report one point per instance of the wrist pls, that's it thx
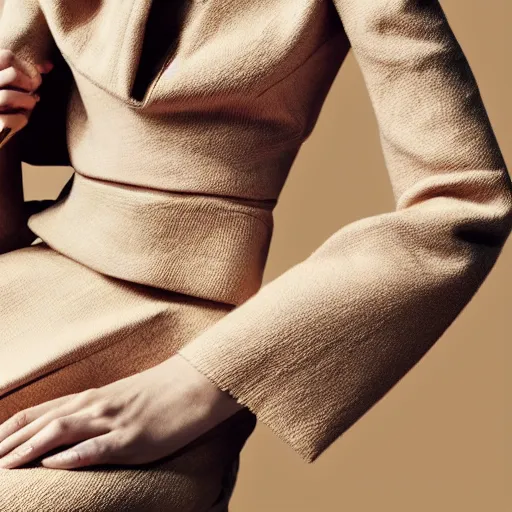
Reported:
(217, 404)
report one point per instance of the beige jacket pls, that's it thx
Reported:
(176, 188)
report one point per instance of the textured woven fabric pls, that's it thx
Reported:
(67, 328)
(176, 190)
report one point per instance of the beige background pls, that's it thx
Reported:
(440, 440)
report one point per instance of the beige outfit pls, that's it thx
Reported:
(173, 194)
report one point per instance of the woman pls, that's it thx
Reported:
(151, 348)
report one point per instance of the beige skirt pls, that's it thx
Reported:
(66, 328)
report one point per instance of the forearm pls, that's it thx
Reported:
(14, 232)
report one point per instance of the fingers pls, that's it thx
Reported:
(9, 59)
(14, 101)
(15, 79)
(18, 82)
(15, 111)
(24, 418)
(25, 424)
(60, 431)
(93, 451)
(24, 434)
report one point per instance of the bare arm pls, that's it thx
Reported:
(14, 232)
(11, 194)
(19, 80)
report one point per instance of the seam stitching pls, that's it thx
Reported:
(299, 66)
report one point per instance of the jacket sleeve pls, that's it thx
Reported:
(314, 349)
(24, 31)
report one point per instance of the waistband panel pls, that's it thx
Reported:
(206, 246)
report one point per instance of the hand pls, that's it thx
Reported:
(135, 420)
(19, 81)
